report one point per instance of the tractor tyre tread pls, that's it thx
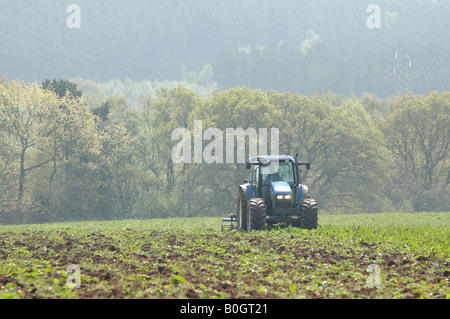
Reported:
(310, 213)
(256, 214)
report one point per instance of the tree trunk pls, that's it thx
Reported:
(21, 176)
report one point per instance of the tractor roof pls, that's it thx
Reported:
(267, 158)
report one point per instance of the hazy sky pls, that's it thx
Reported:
(141, 39)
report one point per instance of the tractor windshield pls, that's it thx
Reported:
(277, 171)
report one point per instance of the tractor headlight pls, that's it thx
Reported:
(283, 196)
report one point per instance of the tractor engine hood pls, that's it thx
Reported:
(281, 188)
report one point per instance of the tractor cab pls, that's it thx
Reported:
(274, 178)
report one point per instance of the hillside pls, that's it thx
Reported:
(259, 44)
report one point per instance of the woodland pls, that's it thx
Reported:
(87, 109)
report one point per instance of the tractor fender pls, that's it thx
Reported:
(248, 190)
(302, 193)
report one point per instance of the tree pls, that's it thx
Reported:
(126, 148)
(418, 134)
(169, 111)
(51, 151)
(346, 151)
(61, 87)
(21, 125)
(78, 177)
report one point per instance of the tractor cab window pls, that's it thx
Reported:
(274, 172)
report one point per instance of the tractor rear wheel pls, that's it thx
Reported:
(241, 211)
(310, 213)
(256, 214)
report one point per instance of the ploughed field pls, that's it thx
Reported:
(348, 256)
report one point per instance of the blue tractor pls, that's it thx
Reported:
(273, 194)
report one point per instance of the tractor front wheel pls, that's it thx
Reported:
(256, 214)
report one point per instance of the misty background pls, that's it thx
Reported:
(286, 45)
(87, 112)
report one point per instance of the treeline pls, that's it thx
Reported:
(73, 154)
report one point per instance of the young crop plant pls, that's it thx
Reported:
(347, 257)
